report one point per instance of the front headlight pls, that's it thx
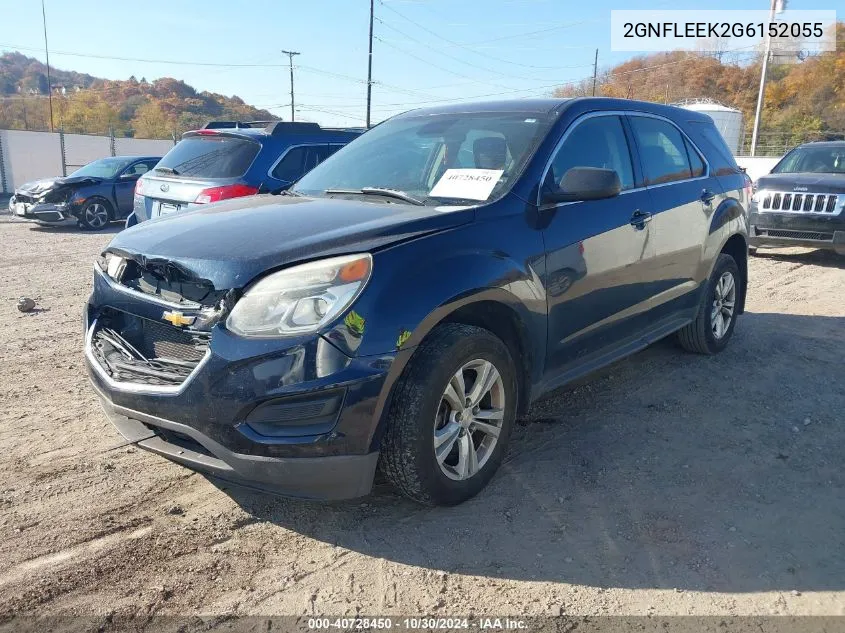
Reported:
(302, 298)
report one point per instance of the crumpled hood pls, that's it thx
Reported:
(801, 182)
(231, 243)
(38, 187)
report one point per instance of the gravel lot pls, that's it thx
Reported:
(667, 484)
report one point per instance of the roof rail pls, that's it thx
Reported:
(216, 125)
(291, 127)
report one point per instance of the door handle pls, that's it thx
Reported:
(639, 219)
(707, 196)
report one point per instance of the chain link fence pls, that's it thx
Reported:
(778, 143)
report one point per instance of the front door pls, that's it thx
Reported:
(598, 252)
(124, 187)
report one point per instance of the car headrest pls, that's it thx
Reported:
(490, 152)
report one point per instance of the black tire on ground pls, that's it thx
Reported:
(407, 454)
(92, 213)
(699, 336)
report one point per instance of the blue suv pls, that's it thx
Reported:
(230, 159)
(407, 299)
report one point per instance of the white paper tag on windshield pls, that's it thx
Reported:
(474, 184)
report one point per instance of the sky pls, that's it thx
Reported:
(425, 52)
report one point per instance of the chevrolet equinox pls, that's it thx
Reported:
(404, 302)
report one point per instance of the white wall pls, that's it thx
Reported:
(756, 166)
(33, 155)
(29, 156)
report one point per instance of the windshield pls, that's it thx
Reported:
(104, 168)
(817, 160)
(460, 158)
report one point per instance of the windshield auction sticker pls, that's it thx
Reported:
(473, 184)
(800, 32)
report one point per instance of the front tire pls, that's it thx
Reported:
(714, 324)
(451, 416)
(95, 215)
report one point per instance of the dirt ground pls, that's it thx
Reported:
(667, 484)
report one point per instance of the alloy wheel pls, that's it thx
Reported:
(96, 215)
(723, 305)
(469, 419)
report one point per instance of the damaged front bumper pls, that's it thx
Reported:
(291, 416)
(44, 213)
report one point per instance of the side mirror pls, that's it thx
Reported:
(585, 183)
(129, 176)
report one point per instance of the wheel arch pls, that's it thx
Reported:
(737, 247)
(110, 206)
(490, 310)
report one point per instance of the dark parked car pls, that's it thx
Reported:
(801, 202)
(92, 196)
(228, 159)
(408, 298)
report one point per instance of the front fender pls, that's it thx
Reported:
(418, 284)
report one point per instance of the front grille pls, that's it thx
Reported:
(135, 350)
(803, 202)
(798, 235)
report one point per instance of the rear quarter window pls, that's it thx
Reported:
(708, 139)
(211, 157)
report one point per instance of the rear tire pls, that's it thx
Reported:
(95, 215)
(714, 324)
(434, 451)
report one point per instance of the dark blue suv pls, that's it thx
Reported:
(408, 298)
(229, 159)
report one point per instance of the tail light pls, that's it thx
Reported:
(139, 187)
(215, 194)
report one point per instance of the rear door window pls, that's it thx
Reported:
(662, 150)
(211, 157)
(696, 164)
(297, 161)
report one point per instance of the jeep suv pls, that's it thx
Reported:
(802, 201)
(409, 297)
(228, 159)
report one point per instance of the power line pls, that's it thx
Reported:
(464, 46)
(442, 68)
(470, 64)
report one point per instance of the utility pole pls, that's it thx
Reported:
(595, 71)
(370, 68)
(777, 6)
(47, 53)
(290, 55)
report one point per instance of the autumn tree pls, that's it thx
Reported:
(150, 121)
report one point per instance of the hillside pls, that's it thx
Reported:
(804, 99)
(92, 105)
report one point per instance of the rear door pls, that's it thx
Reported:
(598, 252)
(198, 162)
(298, 160)
(684, 196)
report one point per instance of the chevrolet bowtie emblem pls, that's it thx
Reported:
(178, 319)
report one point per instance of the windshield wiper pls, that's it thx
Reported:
(166, 170)
(379, 191)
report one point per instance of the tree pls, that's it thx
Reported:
(150, 121)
